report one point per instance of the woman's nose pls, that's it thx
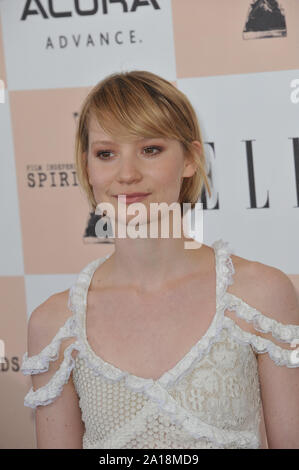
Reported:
(129, 169)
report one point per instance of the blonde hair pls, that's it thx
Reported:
(140, 103)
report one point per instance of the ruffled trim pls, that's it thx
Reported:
(226, 268)
(224, 277)
(40, 362)
(140, 384)
(49, 392)
(261, 322)
(281, 356)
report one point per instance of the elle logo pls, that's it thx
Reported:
(37, 7)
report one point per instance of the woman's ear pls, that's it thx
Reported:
(190, 163)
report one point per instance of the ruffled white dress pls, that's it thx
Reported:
(209, 399)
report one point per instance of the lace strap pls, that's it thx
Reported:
(49, 392)
(281, 356)
(78, 291)
(224, 268)
(281, 332)
(261, 322)
(40, 362)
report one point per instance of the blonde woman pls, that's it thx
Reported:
(157, 346)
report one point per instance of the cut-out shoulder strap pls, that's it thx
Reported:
(39, 363)
(72, 328)
(47, 394)
(282, 332)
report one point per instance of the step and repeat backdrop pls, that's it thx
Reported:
(238, 63)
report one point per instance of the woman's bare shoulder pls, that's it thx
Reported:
(266, 288)
(46, 320)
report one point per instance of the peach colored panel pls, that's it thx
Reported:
(2, 61)
(16, 430)
(53, 217)
(208, 39)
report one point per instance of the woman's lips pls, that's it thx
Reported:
(130, 199)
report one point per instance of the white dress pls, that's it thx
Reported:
(209, 399)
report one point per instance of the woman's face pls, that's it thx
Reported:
(151, 165)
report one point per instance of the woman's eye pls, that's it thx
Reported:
(101, 154)
(153, 147)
